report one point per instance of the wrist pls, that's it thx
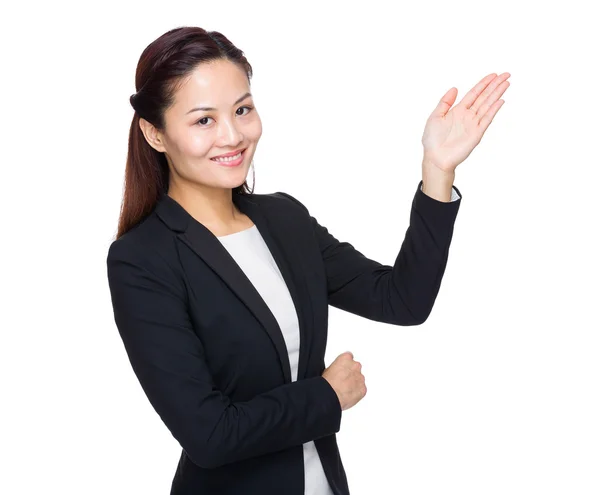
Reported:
(437, 183)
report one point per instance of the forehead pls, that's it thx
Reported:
(216, 84)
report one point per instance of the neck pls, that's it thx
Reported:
(212, 207)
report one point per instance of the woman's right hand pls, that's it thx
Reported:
(345, 377)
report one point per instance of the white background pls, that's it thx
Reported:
(496, 393)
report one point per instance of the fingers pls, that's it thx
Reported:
(491, 99)
(350, 357)
(489, 90)
(470, 97)
(474, 98)
(486, 120)
(352, 364)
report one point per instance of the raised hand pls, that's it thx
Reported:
(451, 134)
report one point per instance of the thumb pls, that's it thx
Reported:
(445, 103)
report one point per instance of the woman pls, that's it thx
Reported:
(221, 295)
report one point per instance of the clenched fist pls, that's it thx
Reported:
(346, 379)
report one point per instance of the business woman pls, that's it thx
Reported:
(221, 295)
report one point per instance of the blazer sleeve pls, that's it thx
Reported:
(150, 311)
(403, 294)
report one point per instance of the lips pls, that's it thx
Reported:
(232, 162)
(233, 153)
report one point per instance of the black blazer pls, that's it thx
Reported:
(210, 355)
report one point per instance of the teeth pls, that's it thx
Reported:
(229, 158)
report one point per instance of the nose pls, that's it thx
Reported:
(229, 134)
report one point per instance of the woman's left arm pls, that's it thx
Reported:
(404, 294)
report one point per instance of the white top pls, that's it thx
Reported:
(251, 253)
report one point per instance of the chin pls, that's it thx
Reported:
(235, 182)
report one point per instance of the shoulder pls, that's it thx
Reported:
(290, 199)
(280, 199)
(282, 206)
(150, 244)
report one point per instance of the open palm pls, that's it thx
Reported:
(451, 134)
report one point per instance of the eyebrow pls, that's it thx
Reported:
(207, 109)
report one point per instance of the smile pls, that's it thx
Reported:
(231, 161)
(228, 158)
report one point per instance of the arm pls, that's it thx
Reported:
(150, 311)
(405, 293)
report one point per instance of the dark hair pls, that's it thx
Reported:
(162, 67)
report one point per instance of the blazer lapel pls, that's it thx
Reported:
(206, 245)
(279, 236)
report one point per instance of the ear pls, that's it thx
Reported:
(153, 135)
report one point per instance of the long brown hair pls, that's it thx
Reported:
(163, 65)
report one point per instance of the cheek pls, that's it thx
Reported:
(254, 130)
(196, 145)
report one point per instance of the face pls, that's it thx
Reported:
(193, 136)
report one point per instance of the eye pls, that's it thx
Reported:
(249, 109)
(203, 122)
